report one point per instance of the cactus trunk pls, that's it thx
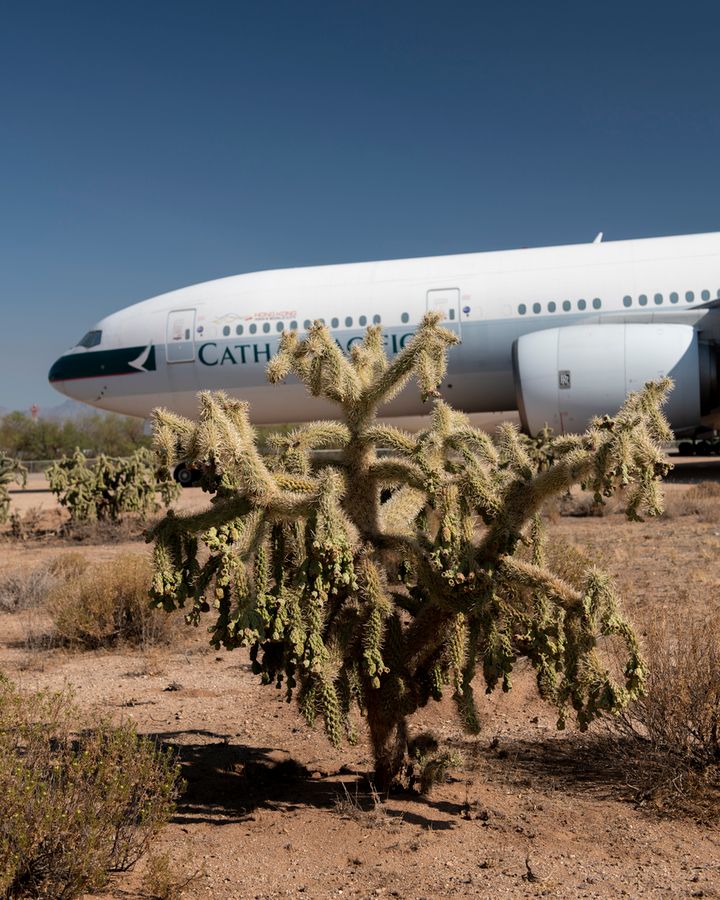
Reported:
(389, 739)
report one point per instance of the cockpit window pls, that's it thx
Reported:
(91, 339)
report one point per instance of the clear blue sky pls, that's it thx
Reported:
(149, 145)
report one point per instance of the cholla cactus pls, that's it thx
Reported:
(110, 487)
(10, 470)
(540, 448)
(376, 582)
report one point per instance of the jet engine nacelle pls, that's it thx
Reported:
(565, 376)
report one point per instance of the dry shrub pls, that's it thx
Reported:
(68, 565)
(21, 589)
(79, 799)
(366, 809)
(671, 737)
(582, 504)
(130, 528)
(27, 525)
(701, 500)
(570, 562)
(161, 881)
(108, 604)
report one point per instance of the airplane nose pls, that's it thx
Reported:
(56, 372)
(57, 375)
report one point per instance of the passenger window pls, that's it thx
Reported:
(674, 297)
(226, 330)
(334, 322)
(689, 296)
(705, 295)
(642, 299)
(581, 304)
(627, 300)
(658, 299)
(377, 319)
(362, 321)
(293, 326)
(348, 321)
(306, 324)
(238, 329)
(266, 327)
(597, 303)
(522, 309)
(536, 308)
(567, 305)
(280, 326)
(404, 318)
(253, 328)
(551, 306)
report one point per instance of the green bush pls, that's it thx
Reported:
(79, 799)
(110, 487)
(107, 604)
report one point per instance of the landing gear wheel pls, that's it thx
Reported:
(686, 448)
(184, 475)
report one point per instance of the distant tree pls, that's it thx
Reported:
(113, 435)
(377, 582)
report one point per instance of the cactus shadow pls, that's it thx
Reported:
(594, 764)
(227, 782)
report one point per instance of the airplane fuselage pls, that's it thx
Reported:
(220, 335)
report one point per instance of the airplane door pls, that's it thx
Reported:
(447, 302)
(180, 336)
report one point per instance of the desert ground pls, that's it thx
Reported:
(272, 810)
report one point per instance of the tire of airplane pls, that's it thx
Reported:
(184, 475)
(703, 448)
(685, 448)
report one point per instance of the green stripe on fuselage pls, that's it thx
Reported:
(102, 364)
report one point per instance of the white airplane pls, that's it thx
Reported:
(558, 333)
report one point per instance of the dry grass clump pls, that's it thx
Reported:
(701, 500)
(129, 528)
(569, 561)
(671, 737)
(21, 589)
(108, 604)
(79, 799)
(366, 809)
(24, 525)
(161, 881)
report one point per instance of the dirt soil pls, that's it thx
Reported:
(271, 810)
